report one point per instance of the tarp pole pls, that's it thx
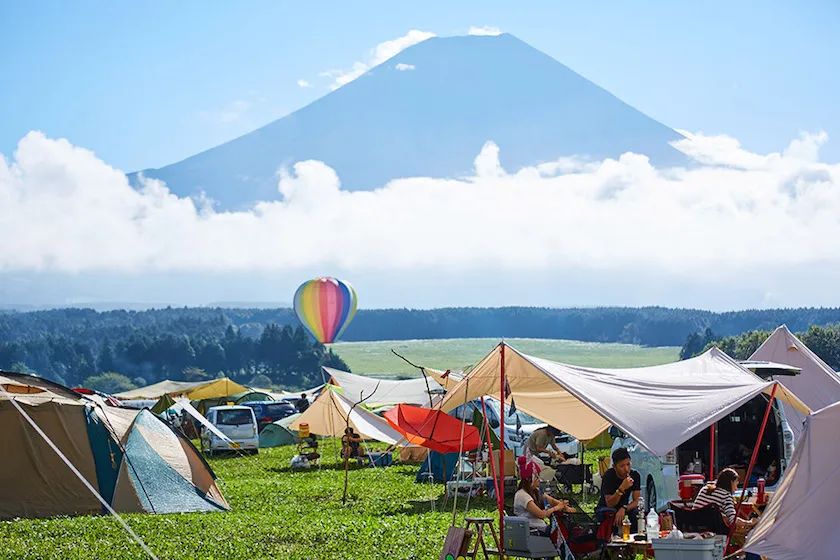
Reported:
(501, 493)
(490, 447)
(752, 463)
(712, 429)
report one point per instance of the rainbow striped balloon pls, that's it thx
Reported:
(325, 306)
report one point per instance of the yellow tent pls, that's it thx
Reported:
(215, 389)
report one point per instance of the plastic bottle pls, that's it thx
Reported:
(760, 496)
(652, 525)
(625, 528)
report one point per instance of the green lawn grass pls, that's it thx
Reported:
(274, 513)
(376, 357)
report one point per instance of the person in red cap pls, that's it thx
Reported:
(528, 501)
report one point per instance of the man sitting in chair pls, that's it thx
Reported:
(350, 444)
(539, 442)
(621, 487)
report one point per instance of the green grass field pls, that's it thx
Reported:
(274, 513)
(376, 357)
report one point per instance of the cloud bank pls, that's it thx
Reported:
(733, 215)
(379, 54)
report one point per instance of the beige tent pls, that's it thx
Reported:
(801, 520)
(137, 463)
(193, 390)
(659, 406)
(327, 417)
(817, 384)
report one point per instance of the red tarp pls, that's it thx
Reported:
(433, 429)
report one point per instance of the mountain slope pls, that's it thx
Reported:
(431, 120)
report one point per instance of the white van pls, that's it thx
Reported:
(236, 422)
(734, 441)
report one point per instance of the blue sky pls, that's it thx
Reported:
(145, 84)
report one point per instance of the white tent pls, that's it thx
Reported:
(659, 406)
(328, 414)
(817, 385)
(801, 521)
(386, 392)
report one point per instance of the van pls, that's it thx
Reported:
(734, 440)
(236, 422)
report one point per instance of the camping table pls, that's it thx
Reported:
(618, 549)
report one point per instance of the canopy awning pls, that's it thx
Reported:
(385, 391)
(659, 406)
(327, 416)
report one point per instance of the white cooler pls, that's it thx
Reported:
(689, 549)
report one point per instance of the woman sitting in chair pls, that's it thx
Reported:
(350, 443)
(528, 500)
(719, 495)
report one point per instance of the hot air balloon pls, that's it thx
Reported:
(325, 306)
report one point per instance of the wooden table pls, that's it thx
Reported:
(618, 549)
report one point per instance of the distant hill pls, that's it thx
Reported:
(430, 119)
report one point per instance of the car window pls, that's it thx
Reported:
(236, 417)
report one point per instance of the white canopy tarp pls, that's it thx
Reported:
(385, 391)
(801, 520)
(659, 406)
(327, 417)
(817, 384)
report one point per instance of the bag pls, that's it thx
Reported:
(300, 462)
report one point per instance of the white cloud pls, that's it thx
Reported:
(402, 67)
(378, 55)
(304, 84)
(484, 30)
(717, 222)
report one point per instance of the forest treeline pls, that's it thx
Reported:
(71, 345)
(823, 340)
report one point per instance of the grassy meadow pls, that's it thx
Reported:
(275, 513)
(376, 358)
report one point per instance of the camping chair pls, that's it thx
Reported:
(578, 531)
(698, 520)
(566, 475)
(520, 543)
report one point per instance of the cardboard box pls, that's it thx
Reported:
(510, 461)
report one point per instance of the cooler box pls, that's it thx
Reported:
(690, 485)
(381, 459)
(689, 549)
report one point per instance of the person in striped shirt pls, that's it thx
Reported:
(719, 495)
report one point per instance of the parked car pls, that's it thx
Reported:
(238, 423)
(516, 435)
(270, 411)
(734, 440)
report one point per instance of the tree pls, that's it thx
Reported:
(260, 381)
(195, 374)
(109, 382)
(106, 358)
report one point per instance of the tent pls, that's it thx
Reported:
(251, 395)
(817, 384)
(133, 459)
(385, 391)
(659, 406)
(157, 390)
(276, 434)
(326, 417)
(800, 521)
(194, 390)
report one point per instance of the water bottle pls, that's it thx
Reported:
(652, 525)
(641, 518)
